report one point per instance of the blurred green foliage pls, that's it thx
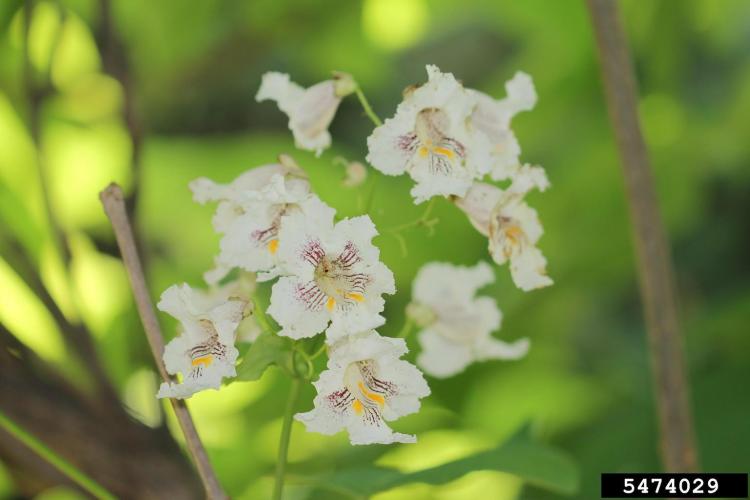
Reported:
(585, 384)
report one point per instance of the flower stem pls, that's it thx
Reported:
(368, 109)
(260, 315)
(286, 434)
(68, 469)
(406, 329)
(423, 220)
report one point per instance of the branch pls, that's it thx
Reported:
(114, 206)
(654, 263)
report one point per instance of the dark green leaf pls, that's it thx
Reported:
(268, 349)
(535, 463)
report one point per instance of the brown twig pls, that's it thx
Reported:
(114, 205)
(654, 263)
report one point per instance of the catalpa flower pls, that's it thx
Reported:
(310, 110)
(457, 326)
(204, 351)
(249, 216)
(366, 385)
(492, 118)
(429, 138)
(335, 276)
(243, 288)
(513, 228)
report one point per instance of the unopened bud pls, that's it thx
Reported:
(356, 174)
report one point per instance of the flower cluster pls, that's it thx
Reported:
(326, 274)
(448, 138)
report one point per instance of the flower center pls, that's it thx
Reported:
(338, 283)
(335, 280)
(269, 237)
(510, 235)
(368, 393)
(430, 140)
(203, 355)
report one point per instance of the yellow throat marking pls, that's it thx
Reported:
(357, 405)
(273, 246)
(203, 360)
(424, 151)
(372, 396)
(330, 303)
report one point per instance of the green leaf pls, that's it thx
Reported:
(535, 463)
(268, 349)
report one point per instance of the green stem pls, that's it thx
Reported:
(75, 475)
(368, 109)
(308, 362)
(286, 434)
(406, 329)
(320, 351)
(423, 220)
(260, 315)
(371, 195)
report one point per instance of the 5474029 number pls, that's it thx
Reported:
(651, 485)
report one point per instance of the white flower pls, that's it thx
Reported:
(204, 351)
(242, 288)
(365, 385)
(457, 326)
(310, 110)
(492, 118)
(335, 275)
(513, 228)
(428, 138)
(249, 216)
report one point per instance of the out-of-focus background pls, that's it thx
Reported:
(154, 94)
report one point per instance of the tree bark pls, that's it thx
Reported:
(126, 457)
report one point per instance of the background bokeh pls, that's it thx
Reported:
(195, 68)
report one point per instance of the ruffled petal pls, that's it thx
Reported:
(289, 308)
(440, 357)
